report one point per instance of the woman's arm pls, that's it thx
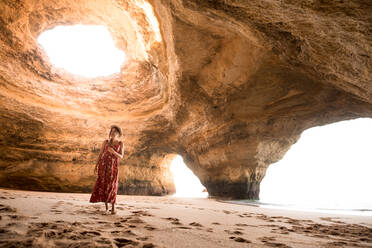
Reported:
(121, 154)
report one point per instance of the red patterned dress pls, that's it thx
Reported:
(106, 186)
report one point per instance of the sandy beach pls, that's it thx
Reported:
(48, 219)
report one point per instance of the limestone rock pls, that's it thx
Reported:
(228, 85)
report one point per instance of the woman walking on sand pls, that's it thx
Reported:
(107, 169)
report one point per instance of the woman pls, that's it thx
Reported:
(106, 186)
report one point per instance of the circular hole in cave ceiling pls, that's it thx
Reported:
(83, 50)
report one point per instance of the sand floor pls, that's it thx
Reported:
(48, 219)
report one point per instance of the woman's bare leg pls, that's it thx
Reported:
(106, 205)
(113, 208)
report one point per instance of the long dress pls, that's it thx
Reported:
(106, 186)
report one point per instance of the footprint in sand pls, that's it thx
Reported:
(234, 232)
(15, 217)
(174, 221)
(332, 220)
(130, 232)
(245, 215)
(121, 242)
(124, 219)
(280, 229)
(351, 232)
(4, 231)
(56, 211)
(143, 238)
(148, 245)
(171, 218)
(75, 234)
(18, 243)
(116, 233)
(266, 238)
(320, 236)
(119, 224)
(150, 228)
(337, 243)
(90, 233)
(11, 224)
(269, 241)
(216, 223)
(276, 244)
(7, 209)
(243, 224)
(240, 239)
(183, 227)
(135, 220)
(141, 213)
(195, 224)
(103, 240)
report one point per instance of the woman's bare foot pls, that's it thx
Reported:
(106, 212)
(113, 212)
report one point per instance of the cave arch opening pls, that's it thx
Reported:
(83, 50)
(328, 168)
(185, 181)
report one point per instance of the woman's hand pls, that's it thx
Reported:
(119, 155)
(111, 150)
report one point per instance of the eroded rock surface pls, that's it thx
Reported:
(228, 85)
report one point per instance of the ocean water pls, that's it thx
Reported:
(361, 210)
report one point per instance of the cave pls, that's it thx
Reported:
(228, 85)
(328, 168)
(185, 181)
(83, 50)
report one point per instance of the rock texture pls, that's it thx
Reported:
(228, 85)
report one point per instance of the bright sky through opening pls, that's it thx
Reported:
(83, 50)
(187, 184)
(329, 167)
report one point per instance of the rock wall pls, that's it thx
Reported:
(228, 85)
